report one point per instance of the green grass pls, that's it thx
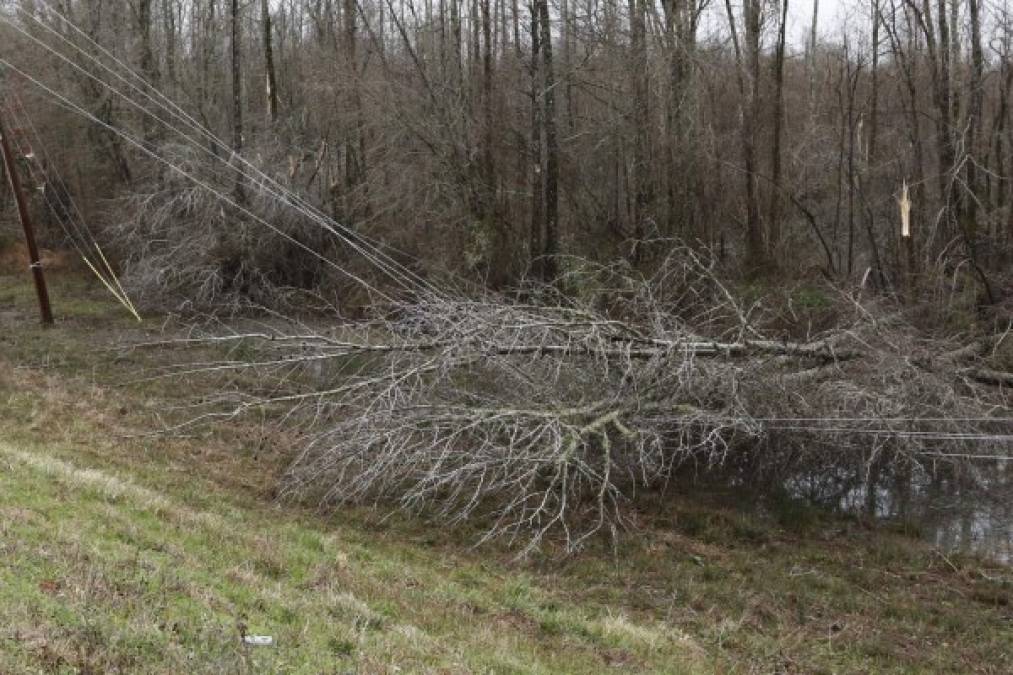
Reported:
(808, 298)
(103, 574)
(127, 553)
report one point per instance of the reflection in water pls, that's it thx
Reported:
(969, 511)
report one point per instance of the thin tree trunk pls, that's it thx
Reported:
(455, 33)
(748, 72)
(774, 227)
(874, 94)
(237, 95)
(999, 149)
(270, 78)
(357, 202)
(488, 167)
(169, 21)
(551, 248)
(678, 153)
(567, 77)
(535, 150)
(640, 106)
(975, 96)
(147, 64)
(811, 42)
(852, 85)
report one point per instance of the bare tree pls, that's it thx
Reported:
(774, 226)
(550, 231)
(237, 91)
(270, 77)
(411, 122)
(748, 77)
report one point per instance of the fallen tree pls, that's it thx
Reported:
(550, 417)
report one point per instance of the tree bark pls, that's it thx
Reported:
(774, 227)
(976, 99)
(874, 85)
(640, 105)
(270, 77)
(536, 158)
(748, 75)
(551, 230)
(237, 95)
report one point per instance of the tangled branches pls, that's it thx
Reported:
(540, 415)
(196, 246)
(547, 418)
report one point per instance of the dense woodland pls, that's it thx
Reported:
(495, 140)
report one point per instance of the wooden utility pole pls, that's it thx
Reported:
(26, 223)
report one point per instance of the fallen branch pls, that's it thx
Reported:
(988, 376)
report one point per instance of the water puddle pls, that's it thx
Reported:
(971, 512)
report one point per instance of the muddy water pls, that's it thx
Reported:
(972, 513)
(984, 529)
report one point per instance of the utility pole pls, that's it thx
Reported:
(26, 223)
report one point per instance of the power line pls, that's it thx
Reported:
(367, 248)
(70, 105)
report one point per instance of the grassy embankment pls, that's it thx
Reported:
(141, 554)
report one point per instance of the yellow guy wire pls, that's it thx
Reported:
(122, 299)
(112, 275)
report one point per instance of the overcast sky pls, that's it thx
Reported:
(829, 19)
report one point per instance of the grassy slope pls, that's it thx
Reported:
(146, 555)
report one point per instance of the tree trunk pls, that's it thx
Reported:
(169, 22)
(852, 85)
(488, 168)
(535, 150)
(874, 94)
(679, 146)
(774, 227)
(146, 61)
(748, 74)
(975, 97)
(640, 106)
(551, 230)
(357, 202)
(237, 96)
(270, 78)
(455, 35)
(567, 77)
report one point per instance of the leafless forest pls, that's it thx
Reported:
(578, 249)
(491, 138)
